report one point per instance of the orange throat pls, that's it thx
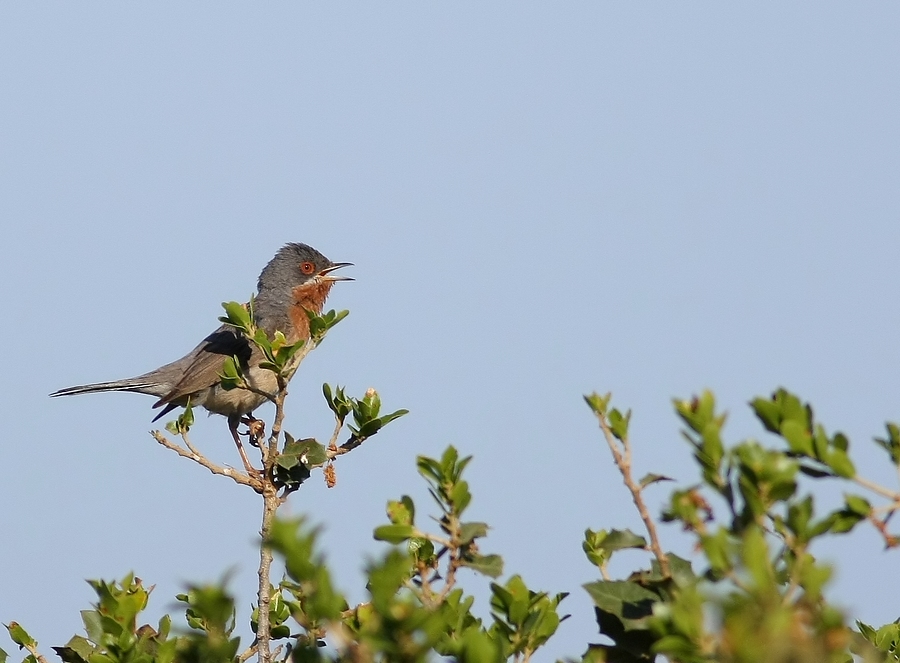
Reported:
(307, 298)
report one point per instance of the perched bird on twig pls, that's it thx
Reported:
(296, 280)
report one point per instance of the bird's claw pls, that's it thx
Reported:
(256, 430)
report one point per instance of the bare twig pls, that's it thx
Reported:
(235, 475)
(32, 649)
(332, 443)
(424, 585)
(454, 560)
(889, 509)
(453, 565)
(604, 571)
(352, 443)
(892, 495)
(890, 540)
(187, 442)
(441, 541)
(247, 653)
(271, 502)
(622, 459)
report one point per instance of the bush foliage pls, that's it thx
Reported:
(749, 589)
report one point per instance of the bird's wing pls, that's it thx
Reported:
(203, 366)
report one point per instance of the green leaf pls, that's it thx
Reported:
(598, 403)
(630, 603)
(388, 418)
(76, 650)
(236, 315)
(307, 451)
(231, 376)
(305, 565)
(768, 413)
(20, 636)
(319, 325)
(618, 423)
(460, 496)
(402, 511)
(489, 565)
(653, 478)
(858, 505)
(840, 463)
(92, 625)
(394, 533)
(593, 547)
(337, 401)
(471, 531)
(369, 428)
(798, 438)
(477, 646)
(622, 539)
(421, 549)
(718, 549)
(891, 443)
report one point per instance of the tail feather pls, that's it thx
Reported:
(141, 387)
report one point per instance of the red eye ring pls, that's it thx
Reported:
(307, 267)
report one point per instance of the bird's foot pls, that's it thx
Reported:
(233, 423)
(256, 430)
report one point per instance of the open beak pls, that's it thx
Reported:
(326, 275)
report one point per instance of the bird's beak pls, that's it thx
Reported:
(326, 275)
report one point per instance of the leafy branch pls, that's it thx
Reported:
(286, 462)
(615, 430)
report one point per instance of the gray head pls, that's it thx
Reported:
(294, 265)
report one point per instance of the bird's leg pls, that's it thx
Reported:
(256, 429)
(233, 423)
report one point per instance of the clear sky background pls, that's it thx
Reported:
(541, 199)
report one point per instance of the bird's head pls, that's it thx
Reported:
(297, 265)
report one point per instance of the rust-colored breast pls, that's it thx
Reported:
(307, 298)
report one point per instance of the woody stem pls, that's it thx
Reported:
(271, 502)
(264, 596)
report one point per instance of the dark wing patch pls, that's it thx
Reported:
(205, 364)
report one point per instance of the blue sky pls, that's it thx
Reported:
(541, 200)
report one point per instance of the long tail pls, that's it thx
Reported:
(139, 386)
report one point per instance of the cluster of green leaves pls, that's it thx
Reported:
(182, 424)
(112, 634)
(760, 593)
(451, 493)
(753, 591)
(415, 606)
(293, 463)
(365, 410)
(298, 458)
(276, 350)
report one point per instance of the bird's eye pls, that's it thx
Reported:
(307, 267)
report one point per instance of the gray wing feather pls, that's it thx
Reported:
(202, 366)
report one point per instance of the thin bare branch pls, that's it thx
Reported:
(247, 653)
(890, 540)
(622, 459)
(892, 495)
(235, 475)
(332, 443)
(604, 571)
(271, 502)
(32, 649)
(187, 442)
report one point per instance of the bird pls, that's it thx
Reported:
(298, 279)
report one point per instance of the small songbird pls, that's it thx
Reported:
(296, 280)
